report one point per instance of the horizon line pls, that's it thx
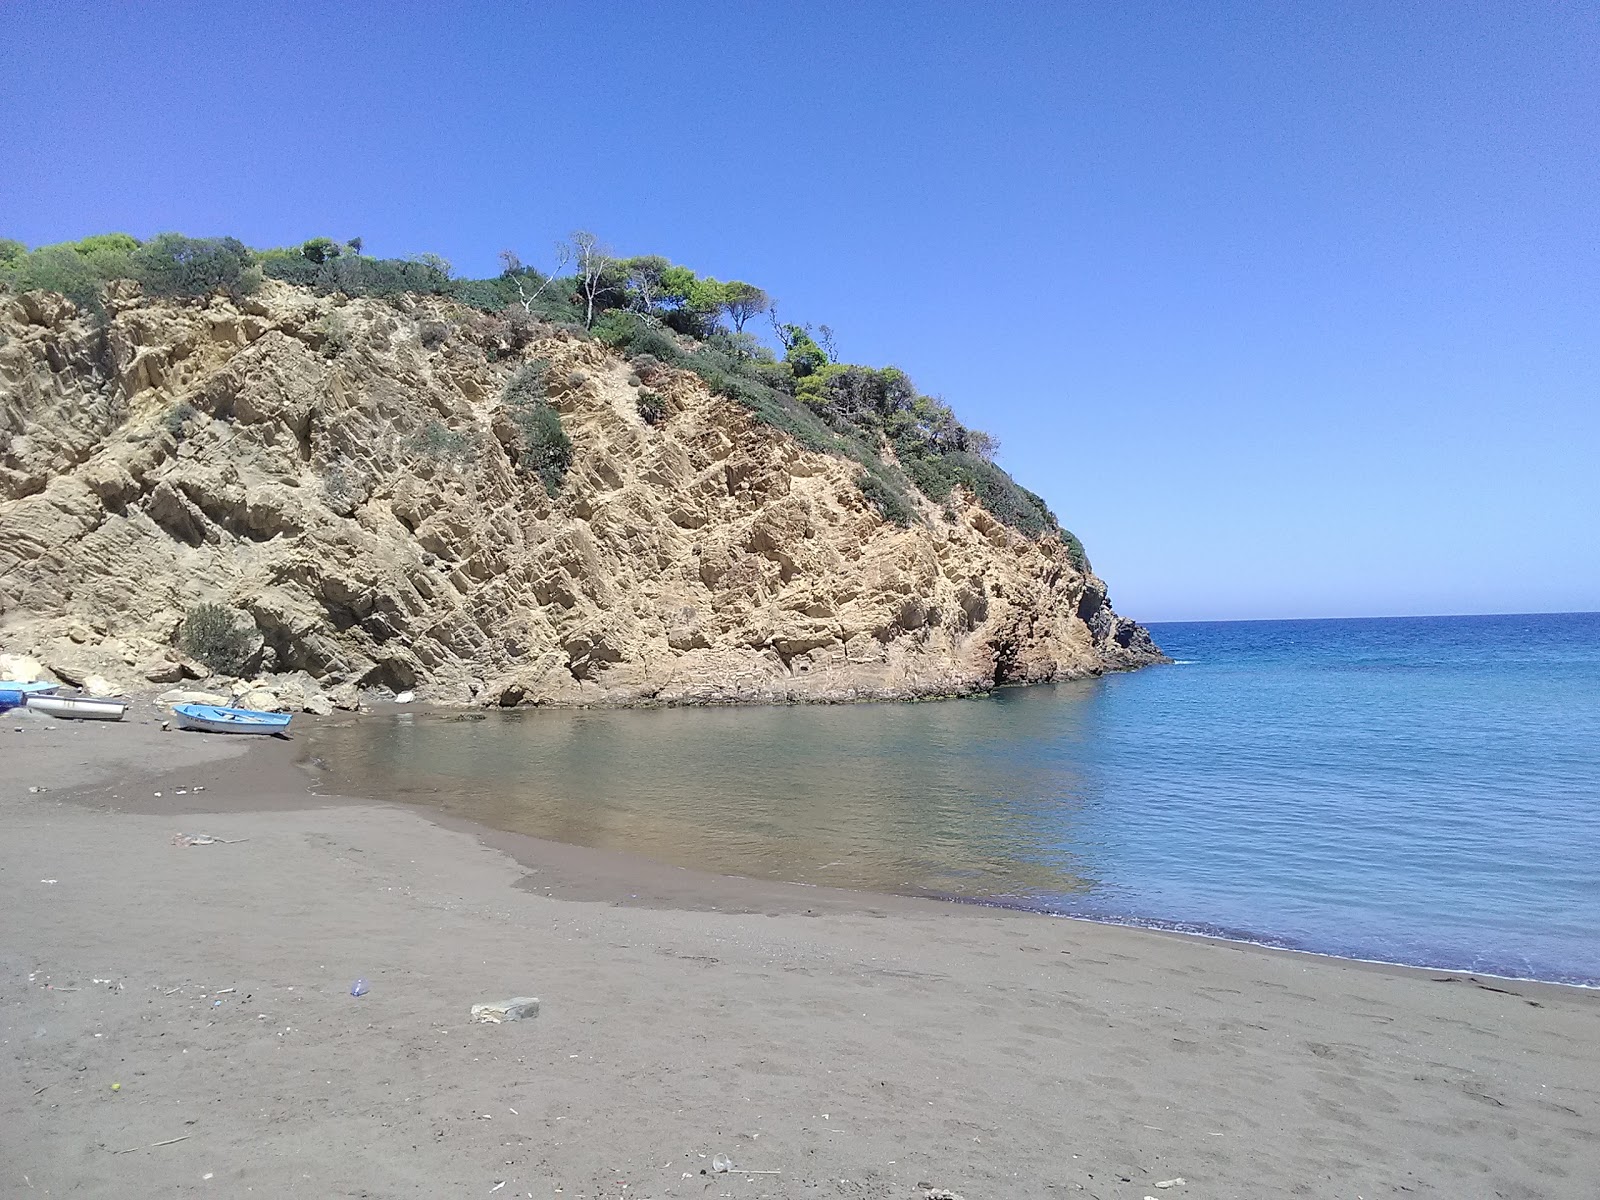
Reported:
(1371, 617)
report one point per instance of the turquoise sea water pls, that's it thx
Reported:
(1421, 790)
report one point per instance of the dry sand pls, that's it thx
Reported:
(859, 1045)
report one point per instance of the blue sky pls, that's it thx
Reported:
(1287, 310)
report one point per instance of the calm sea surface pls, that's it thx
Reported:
(1421, 790)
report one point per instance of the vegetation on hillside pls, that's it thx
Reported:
(218, 636)
(544, 450)
(658, 313)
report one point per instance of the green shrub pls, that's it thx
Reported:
(775, 375)
(336, 334)
(633, 334)
(486, 295)
(739, 382)
(291, 267)
(1075, 551)
(433, 334)
(60, 269)
(439, 442)
(933, 476)
(527, 291)
(321, 249)
(355, 275)
(528, 385)
(174, 265)
(176, 421)
(97, 244)
(109, 255)
(77, 270)
(558, 306)
(1002, 496)
(217, 636)
(652, 408)
(883, 496)
(546, 450)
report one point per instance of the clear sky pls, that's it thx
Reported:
(1288, 310)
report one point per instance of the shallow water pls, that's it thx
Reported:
(1420, 790)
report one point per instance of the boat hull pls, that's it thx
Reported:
(78, 708)
(207, 718)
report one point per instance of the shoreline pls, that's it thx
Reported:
(690, 888)
(622, 862)
(886, 1042)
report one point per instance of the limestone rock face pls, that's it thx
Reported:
(359, 498)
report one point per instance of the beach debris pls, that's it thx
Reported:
(721, 1164)
(36, 789)
(518, 1008)
(498, 1186)
(405, 697)
(934, 1193)
(204, 839)
(1180, 1181)
(154, 1145)
(116, 1087)
(359, 988)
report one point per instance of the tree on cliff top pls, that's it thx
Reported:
(743, 302)
(596, 268)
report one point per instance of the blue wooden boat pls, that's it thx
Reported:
(210, 718)
(11, 698)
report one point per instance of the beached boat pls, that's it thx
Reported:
(15, 695)
(209, 718)
(77, 708)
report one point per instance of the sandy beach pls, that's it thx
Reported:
(176, 1020)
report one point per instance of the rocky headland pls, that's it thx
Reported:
(349, 477)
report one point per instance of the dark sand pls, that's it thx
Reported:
(860, 1045)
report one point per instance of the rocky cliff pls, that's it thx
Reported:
(345, 472)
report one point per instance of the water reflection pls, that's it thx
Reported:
(969, 798)
(1413, 790)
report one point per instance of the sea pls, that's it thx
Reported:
(1419, 790)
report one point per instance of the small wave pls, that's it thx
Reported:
(1184, 662)
(1221, 933)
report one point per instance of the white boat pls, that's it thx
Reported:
(78, 708)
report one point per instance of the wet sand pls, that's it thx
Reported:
(859, 1045)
